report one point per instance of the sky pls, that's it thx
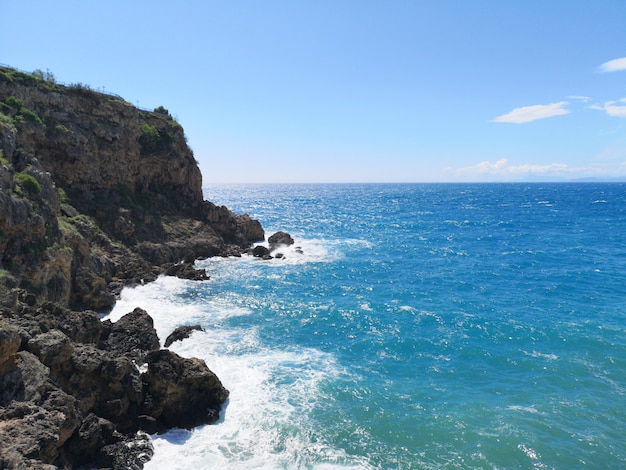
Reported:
(339, 91)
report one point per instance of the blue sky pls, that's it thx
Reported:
(354, 91)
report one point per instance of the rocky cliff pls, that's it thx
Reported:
(95, 194)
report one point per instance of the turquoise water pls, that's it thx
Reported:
(424, 326)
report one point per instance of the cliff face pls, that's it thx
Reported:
(91, 141)
(95, 194)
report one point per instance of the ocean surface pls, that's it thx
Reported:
(423, 326)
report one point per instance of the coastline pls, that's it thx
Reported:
(96, 195)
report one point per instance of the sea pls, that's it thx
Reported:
(410, 326)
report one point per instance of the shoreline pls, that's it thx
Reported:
(96, 195)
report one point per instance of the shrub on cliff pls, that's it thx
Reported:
(28, 182)
(20, 112)
(47, 75)
(152, 140)
(162, 110)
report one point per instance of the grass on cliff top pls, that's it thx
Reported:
(45, 82)
(10, 75)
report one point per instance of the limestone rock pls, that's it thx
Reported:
(37, 417)
(133, 335)
(181, 392)
(9, 344)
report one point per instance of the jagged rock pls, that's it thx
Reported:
(9, 344)
(83, 327)
(105, 384)
(187, 271)
(260, 251)
(53, 348)
(181, 333)
(130, 454)
(181, 392)
(98, 444)
(280, 238)
(37, 417)
(94, 433)
(87, 206)
(68, 211)
(133, 335)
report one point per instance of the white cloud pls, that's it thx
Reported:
(584, 99)
(613, 108)
(532, 113)
(502, 169)
(614, 65)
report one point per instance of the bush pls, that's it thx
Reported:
(162, 110)
(150, 139)
(23, 114)
(47, 75)
(13, 102)
(28, 182)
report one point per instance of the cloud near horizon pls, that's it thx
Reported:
(614, 65)
(532, 113)
(502, 169)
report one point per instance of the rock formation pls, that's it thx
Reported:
(181, 333)
(96, 194)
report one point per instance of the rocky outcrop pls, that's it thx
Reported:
(181, 333)
(71, 391)
(280, 238)
(277, 240)
(95, 195)
(181, 392)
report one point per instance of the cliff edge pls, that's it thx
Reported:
(96, 194)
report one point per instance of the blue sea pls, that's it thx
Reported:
(423, 326)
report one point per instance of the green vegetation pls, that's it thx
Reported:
(28, 182)
(21, 113)
(62, 195)
(85, 91)
(152, 140)
(162, 110)
(44, 81)
(57, 246)
(47, 75)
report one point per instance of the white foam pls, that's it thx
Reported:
(549, 356)
(267, 422)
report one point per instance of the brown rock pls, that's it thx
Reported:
(133, 335)
(181, 392)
